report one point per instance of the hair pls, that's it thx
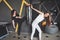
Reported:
(46, 12)
(12, 12)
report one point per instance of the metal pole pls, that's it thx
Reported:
(30, 15)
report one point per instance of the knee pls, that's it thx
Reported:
(40, 31)
(33, 24)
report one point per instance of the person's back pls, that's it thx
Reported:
(39, 18)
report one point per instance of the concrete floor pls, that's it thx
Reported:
(26, 36)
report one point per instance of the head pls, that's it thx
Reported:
(46, 14)
(13, 12)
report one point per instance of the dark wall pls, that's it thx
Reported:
(4, 12)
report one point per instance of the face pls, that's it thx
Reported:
(14, 13)
(46, 15)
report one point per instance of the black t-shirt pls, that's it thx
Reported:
(13, 18)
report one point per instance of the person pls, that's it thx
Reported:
(17, 19)
(38, 20)
(13, 17)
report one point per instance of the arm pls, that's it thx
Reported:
(13, 23)
(36, 10)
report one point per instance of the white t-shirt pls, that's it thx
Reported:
(39, 18)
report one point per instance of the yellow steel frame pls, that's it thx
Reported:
(9, 6)
(23, 2)
(20, 13)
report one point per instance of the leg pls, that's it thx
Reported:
(35, 26)
(39, 30)
(33, 31)
(24, 18)
(19, 27)
(20, 21)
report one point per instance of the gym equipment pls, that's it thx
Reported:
(29, 15)
(51, 29)
(3, 29)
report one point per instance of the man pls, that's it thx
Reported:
(37, 20)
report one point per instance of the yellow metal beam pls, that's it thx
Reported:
(8, 4)
(23, 2)
(16, 27)
(0, 1)
(20, 14)
(26, 3)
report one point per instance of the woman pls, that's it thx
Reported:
(38, 20)
(14, 17)
(17, 19)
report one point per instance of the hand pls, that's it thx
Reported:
(17, 17)
(20, 17)
(28, 5)
(31, 6)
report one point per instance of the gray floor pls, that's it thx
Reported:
(26, 36)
